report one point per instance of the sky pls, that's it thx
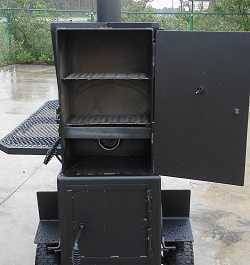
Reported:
(165, 3)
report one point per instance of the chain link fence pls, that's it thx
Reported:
(25, 34)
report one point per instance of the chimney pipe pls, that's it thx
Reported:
(109, 10)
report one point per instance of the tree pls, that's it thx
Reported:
(135, 4)
(144, 3)
(27, 3)
(212, 3)
(239, 10)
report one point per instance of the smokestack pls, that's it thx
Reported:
(109, 10)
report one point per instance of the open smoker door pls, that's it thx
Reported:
(201, 105)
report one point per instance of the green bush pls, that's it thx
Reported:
(174, 22)
(24, 56)
(31, 38)
(215, 23)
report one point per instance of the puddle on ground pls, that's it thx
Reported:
(27, 82)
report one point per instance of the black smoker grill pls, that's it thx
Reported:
(135, 102)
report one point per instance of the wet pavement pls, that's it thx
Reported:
(220, 213)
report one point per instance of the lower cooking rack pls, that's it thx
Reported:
(109, 120)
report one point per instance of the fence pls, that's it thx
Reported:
(25, 34)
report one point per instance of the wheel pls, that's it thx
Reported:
(43, 257)
(183, 255)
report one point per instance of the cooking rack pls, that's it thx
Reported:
(109, 119)
(107, 76)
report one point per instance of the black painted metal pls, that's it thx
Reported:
(48, 228)
(121, 216)
(47, 205)
(107, 132)
(36, 135)
(177, 230)
(176, 225)
(108, 10)
(47, 232)
(175, 203)
(201, 105)
(45, 257)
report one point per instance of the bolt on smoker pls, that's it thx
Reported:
(135, 102)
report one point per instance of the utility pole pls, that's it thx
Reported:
(191, 21)
(181, 2)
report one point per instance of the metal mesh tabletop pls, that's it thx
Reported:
(36, 135)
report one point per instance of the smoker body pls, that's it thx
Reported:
(106, 75)
(107, 182)
(135, 102)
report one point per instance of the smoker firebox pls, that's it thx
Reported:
(90, 157)
(112, 200)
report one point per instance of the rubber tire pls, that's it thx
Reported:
(45, 258)
(181, 256)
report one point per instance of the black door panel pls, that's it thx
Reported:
(201, 105)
